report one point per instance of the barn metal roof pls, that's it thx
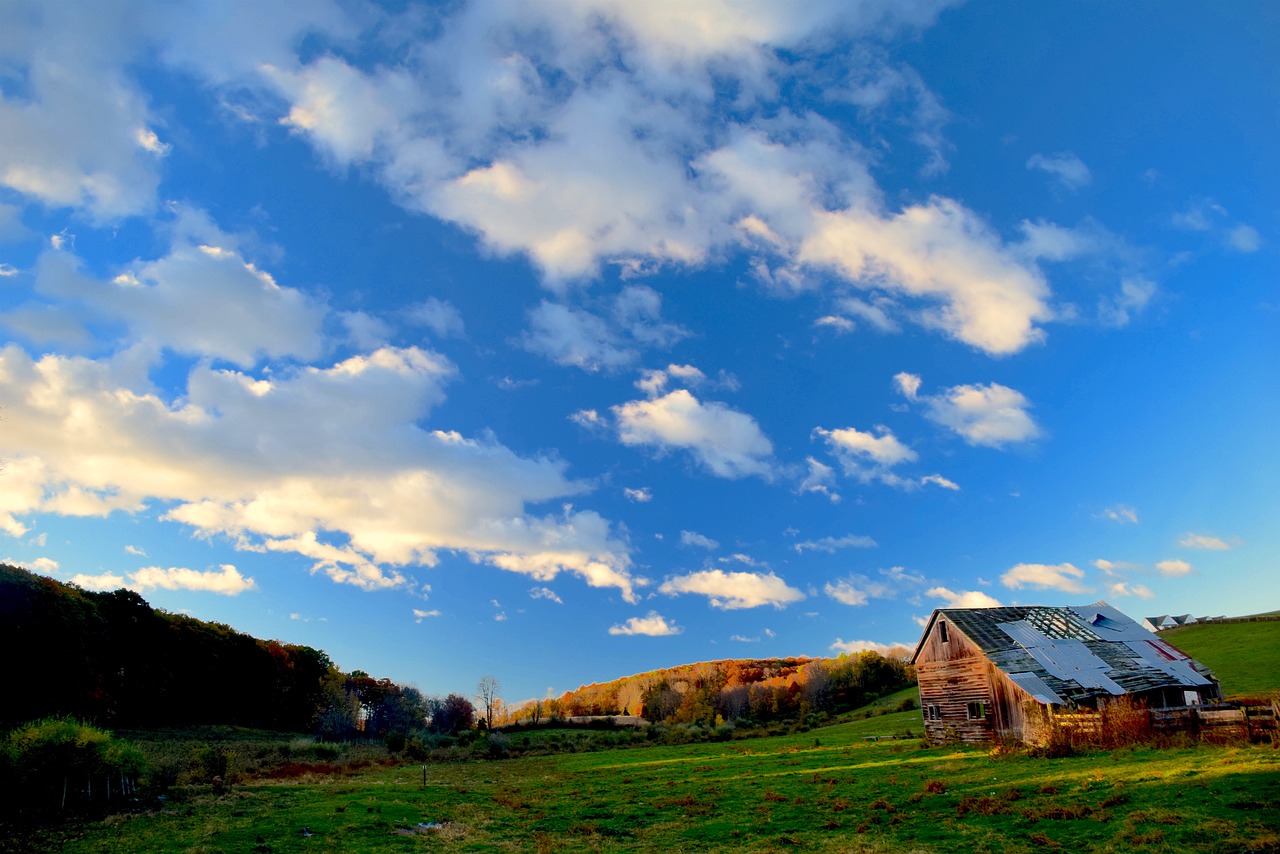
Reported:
(1068, 654)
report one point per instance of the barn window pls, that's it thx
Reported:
(942, 632)
(977, 711)
(932, 712)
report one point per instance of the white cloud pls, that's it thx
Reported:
(963, 599)
(329, 463)
(1066, 167)
(831, 544)
(1064, 576)
(471, 131)
(836, 322)
(654, 625)
(1135, 293)
(418, 613)
(574, 337)
(1203, 541)
(104, 581)
(1124, 588)
(1111, 567)
(545, 593)
(7, 270)
(643, 495)
(226, 580)
(939, 480)
(654, 383)
(820, 479)
(974, 288)
(42, 565)
(728, 443)
(440, 316)
(577, 337)
(908, 385)
(1121, 513)
(846, 593)
(1244, 238)
(693, 538)
(1207, 215)
(869, 457)
(734, 590)
(883, 450)
(134, 550)
(244, 314)
(991, 415)
(854, 647)
(1173, 568)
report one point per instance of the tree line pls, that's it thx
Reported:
(111, 659)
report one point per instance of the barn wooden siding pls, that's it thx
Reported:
(955, 673)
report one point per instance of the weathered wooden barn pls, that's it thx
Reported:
(995, 674)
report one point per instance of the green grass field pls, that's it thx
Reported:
(829, 789)
(1244, 656)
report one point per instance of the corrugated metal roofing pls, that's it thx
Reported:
(1073, 654)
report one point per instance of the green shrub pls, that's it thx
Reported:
(62, 763)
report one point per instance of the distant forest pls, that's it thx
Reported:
(739, 690)
(111, 659)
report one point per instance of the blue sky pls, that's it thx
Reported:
(563, 341)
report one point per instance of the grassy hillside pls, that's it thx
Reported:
(1244, 656)
(829, 789)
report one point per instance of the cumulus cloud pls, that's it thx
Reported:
(226, 580)
(1192, 540)
(642, 495)
(888, 650)
(867, 457)
(420, 615)
(963, 599)
(734, 590)
(1068, 169)
(693, 538)
(102, 582)
(329, 463)
(654, 625)
(1064, 576)
(726, 442)
(244, 314)
(831, 544)
(651, 186)
(1124, 588)
(1173, 568)
(990, 415)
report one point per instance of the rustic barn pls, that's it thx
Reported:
(994, 674)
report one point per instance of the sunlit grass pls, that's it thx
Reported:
(827, 789)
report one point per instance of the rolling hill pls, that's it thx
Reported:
(1245, 656)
